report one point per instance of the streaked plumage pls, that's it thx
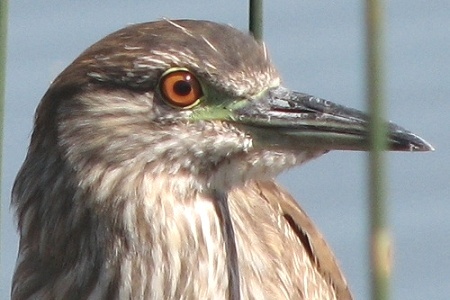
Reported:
(123, 196)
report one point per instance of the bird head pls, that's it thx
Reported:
(196, 98)
(147, 119)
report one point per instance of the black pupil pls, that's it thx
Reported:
(182, 87)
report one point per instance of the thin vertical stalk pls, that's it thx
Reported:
(3, 35)
(380, 240)
(256, 19)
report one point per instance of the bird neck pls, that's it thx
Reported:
(94, 236)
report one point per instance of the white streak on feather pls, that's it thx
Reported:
(179, 27)
(209, 43)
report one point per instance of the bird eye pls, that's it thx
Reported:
(180, 88)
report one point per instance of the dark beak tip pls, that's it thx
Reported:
(420, 145)
(425, 147)
(405, 140)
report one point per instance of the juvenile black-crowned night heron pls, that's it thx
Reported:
(150, 173)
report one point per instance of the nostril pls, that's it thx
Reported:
(299, 110)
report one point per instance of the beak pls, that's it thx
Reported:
(287, 119)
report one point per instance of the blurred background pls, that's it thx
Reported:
(318, 47)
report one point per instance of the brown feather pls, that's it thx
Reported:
(308, 234)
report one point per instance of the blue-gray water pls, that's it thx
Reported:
(318, 47)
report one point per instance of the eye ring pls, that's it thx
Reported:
(180, 88)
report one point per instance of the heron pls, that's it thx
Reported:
(150, 173)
